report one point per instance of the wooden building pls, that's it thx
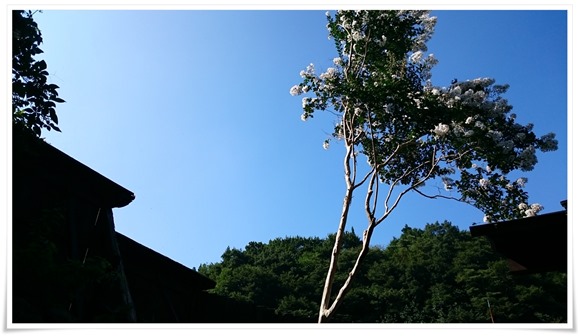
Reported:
(69, 265)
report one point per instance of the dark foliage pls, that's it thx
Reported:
(438, 274)
(33, 98)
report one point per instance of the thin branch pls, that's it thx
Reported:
(437, 196)
(365, 178)
(388, 211)
(370, 213)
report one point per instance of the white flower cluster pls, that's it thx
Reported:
(308, 72)
(329, 74)
(484, 183)
(531, 210)
(426, 21)
(295, 90)
(356, 35)
(426, 63)
(441, 129)
(416, 57)
(472, 93)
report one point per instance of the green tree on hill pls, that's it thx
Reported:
(438, 274)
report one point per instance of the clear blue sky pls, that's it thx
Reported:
(191, 111)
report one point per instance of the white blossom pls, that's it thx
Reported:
(533, 210)
(295, 90)
(357, 36)
(309, 71)
(416, 56)
(522, 181)
(325, 144)
(469, 120)
(417, 102)
(536, 207)
(329, 74)
(486, 219)
(484, 183)
(303, 117)
(441, 129)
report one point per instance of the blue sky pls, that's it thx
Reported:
(191, 111)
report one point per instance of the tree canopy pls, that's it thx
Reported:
(33, 98)
(438, 274)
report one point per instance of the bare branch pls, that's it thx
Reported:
(365, 178)
(437, 196)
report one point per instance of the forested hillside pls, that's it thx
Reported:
(438, 274)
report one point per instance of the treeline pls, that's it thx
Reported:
(438, 274)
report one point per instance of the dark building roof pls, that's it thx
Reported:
(139, 260)
(53, 169)
(531, 245)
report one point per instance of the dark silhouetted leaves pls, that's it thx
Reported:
(33, 99)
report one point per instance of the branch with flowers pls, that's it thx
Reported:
(412, 132)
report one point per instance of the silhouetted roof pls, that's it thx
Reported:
(533, 244)
(52, 168)
(141, 261)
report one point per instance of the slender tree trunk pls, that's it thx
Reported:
(324, 312)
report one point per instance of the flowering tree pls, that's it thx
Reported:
(410, 131)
